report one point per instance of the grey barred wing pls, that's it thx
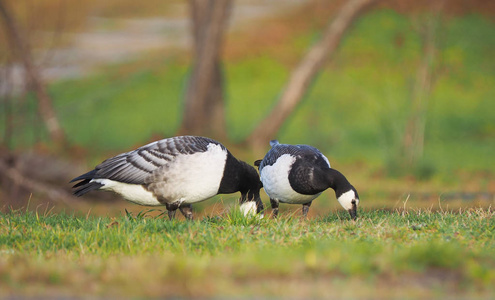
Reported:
(135, 167)
(298, 151)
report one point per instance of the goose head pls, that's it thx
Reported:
(250, 187)
(349, 201)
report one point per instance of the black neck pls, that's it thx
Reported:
(238, 176)
(337, 181)
(311, 180)
(242, 177)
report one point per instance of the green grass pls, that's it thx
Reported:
(355, 113)
(419, 253)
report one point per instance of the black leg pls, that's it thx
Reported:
(186, 210)
(172, 208)
(305, 208)
(171, 214)
(274, 204)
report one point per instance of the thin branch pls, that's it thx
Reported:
(18, 45)
(305, 73)
(37, 187)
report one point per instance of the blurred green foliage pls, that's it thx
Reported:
(117, 111)
(355, 111)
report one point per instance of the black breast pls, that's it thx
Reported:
(231, 175)
(307, 175)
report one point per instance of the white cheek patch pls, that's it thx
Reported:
(248, 208)
(346, 199)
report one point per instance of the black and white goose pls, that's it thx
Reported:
(175, 172)
(297, 174)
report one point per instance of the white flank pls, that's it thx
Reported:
(194, 177)
(134, 193)
(188, 178)
(275, 179)
(346, 199)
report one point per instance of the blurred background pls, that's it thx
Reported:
(399, 95)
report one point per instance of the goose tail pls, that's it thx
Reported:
(86, 184)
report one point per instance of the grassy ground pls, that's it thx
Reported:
(407, 253)
(355, 112)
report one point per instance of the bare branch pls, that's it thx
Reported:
(414, 134)
(19, 179)
(18, 43)
(305, 73)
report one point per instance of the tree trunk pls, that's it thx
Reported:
(204, 103)
(19, 46)
(414, 134)
(305, 73)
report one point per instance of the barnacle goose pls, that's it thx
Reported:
(176, 172)
(297, 174)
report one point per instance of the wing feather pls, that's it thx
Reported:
(136, 166)
(307, 152)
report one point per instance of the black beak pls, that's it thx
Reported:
(353, 211)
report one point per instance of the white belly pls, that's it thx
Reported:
(134, 193)
(275, 179)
